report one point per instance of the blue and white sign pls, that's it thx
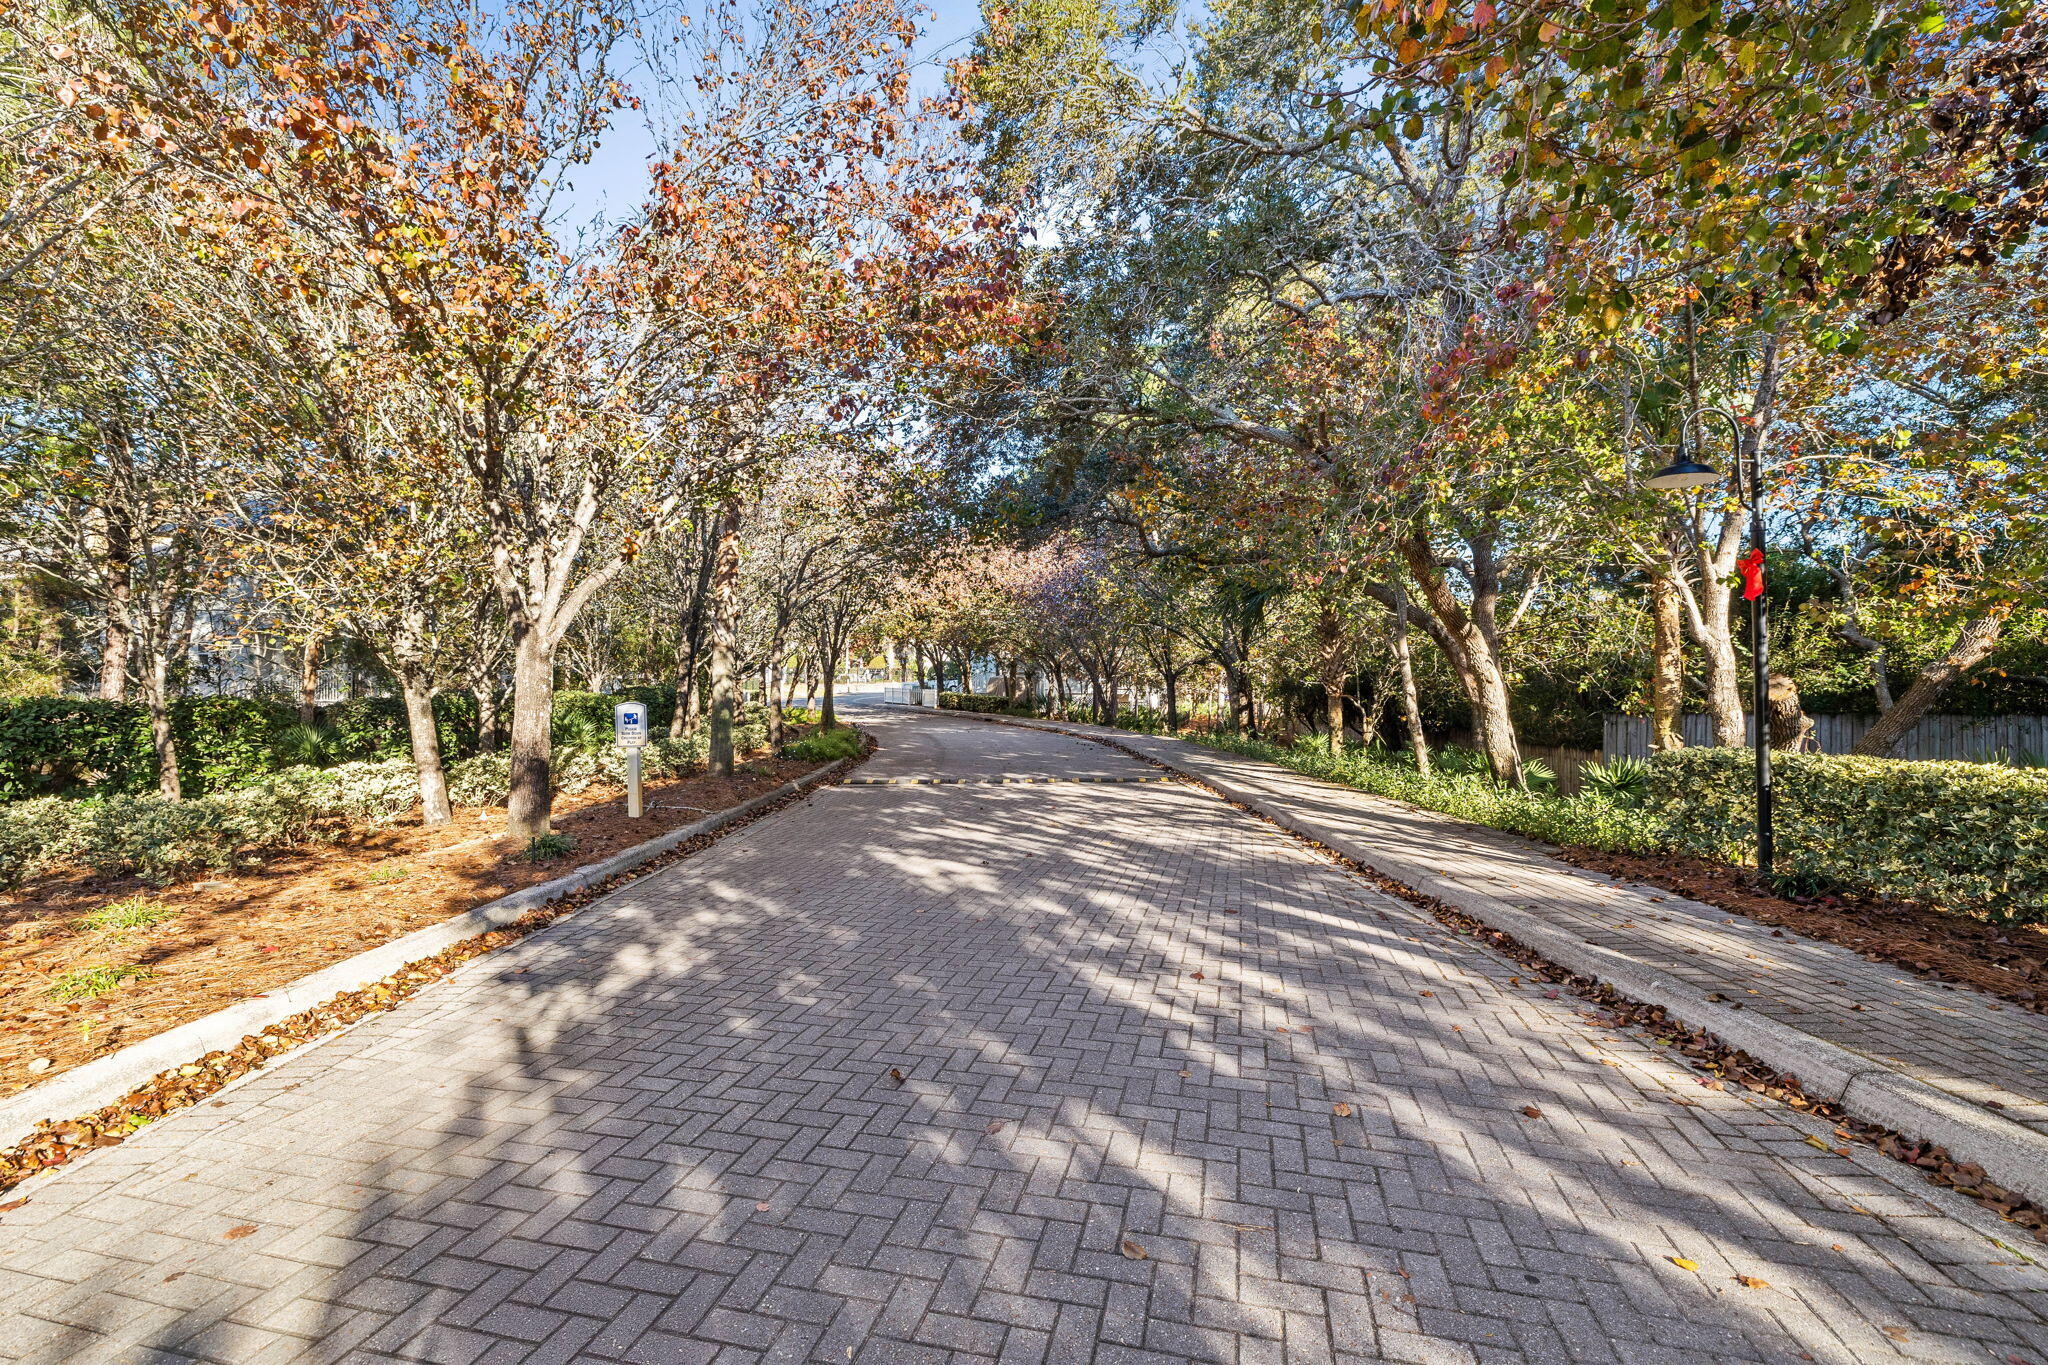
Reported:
(629, 724)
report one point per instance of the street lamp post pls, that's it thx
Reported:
(1683, 474)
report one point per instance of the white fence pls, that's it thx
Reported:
(1985, 739)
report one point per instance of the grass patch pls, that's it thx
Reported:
(90, 983)
(825, 746)
(136, 912)
(384, 875)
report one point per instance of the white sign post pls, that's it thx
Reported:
(629, 727)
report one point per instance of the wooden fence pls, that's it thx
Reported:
(1983, 739)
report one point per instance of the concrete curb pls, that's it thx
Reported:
(2011, 1154)
(105, 1079)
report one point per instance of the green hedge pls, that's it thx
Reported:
(165, 840)
(1589, 820)
(57, 746)
(375, 727)
(80, 746)
(51, 746)
(986, 705)
(1967, 837)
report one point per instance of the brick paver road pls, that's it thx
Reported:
(1172, 1088)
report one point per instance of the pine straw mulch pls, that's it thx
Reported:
(233, 937)
(2009, 961)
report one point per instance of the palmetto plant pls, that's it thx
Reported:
(1623, 780)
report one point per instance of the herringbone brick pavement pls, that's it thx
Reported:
(1054, 1073)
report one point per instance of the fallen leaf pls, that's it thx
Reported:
(12, 1204)
(1132, 1250)
(1752, 1282)
(1682, 1263)
(238, 1232)
(1532, 1111)
(1342, 1111)
(1196, 975)
(1813, 1141)
(896, 1075)
(1429, 992)
(994, 1126)
(762, 1208)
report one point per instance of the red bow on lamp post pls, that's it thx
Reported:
(1751, 567)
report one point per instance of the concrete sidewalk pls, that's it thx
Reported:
(1934, 1061)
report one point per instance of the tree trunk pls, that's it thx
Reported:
(426, 747)
(725, 575)
(486, 718)
(119, 576)
(163, 738)
(114, 652)
(1473, 650)
(771, 695)
(828, 670)
(531, 801)
(1724, 672)
(1978, 637)
(1411, 703)
(685, 681)
(1667, 664)
(1170, 678)
(309, 680)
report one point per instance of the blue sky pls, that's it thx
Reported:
(609, 187)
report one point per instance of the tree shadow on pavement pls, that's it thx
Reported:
(945, 1073)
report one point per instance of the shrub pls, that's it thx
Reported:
(163, 840)
(158, 840)
(1623, 780)
(825, 746)
(375, 727)
(583, 720)
(1969, 837)
(53, 745)
(545, 848)
(1585, 820)
(224, 742)
(987, 705)
(37, 835)
(482, 780)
